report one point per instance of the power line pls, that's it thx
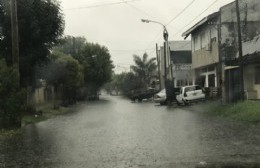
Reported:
(191, 22)
(182, 11)
(102, 5)
(174, 18)
(137, 9)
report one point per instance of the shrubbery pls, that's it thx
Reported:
(13, 100)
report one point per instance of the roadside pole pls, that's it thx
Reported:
(15, 40)
(240, 52)
(165, 66)
(222, 60)
(158, 66)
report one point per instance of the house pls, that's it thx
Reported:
(215, 39)
(250, 31)
(205, 51)
(180, 58)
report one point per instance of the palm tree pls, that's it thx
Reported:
(144, 68)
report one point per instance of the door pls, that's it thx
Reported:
(233, 85)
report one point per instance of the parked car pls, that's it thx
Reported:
(160, 97)
(146, 94)
(190, 94)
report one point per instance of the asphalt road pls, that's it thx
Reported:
(115, 133)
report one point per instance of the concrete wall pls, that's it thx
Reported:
(183, 72)
(250, 25)
(39, 95)
(203, 57)
(253, 90)
(257, 88)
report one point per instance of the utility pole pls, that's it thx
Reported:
(158, 66)
(240, 52)
(15, 39)
(222, 82)
(165, 62)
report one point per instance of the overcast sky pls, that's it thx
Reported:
(118, 25)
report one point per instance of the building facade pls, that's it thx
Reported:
(180, 58)
(205, 51)
(215, 41)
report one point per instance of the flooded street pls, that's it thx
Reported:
(115, 133)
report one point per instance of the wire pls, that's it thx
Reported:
(102, 5)
(174, 18)
(182, 11)
(137, 9)
(191, 22)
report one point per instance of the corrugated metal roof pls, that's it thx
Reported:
(251, 47)
(200, 23)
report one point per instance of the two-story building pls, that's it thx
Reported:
(215, 39)
(205, 51)
(180, 57)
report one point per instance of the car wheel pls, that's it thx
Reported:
(162, 103)
(178, 103)
(185, 102)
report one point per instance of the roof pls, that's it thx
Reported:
(200, 23)
(251, 47)
(180, 45)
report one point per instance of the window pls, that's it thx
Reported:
(178, 83)
(257, 76)
(188, 89)
(197, 42)
(198, 88)
(211, 80)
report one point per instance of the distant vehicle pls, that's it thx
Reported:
(160, 97)
(141, 95)
(190, 94)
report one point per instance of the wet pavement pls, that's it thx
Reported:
(115, 133)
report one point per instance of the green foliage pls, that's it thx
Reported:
(144, 68)
(64, 72)
(72, 46)
(97, 65)
(94, 58)
(40, 24)
(12, 98)
(125, 83)
(244, 111)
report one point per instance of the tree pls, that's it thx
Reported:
(12, 98)
(97, 65)
(72, 46)
(144, 68)
(94, 58)
(41, 24)
(63, 72)
(125, 83)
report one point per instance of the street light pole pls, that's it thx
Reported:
(169, 87)
(166, 48)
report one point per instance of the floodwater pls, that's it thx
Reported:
(116, 133)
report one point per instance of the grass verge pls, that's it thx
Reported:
(8, 133)
(44, 112)
(247, 111)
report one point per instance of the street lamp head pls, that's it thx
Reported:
(145, 20)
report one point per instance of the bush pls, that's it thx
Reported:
(12, 99)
